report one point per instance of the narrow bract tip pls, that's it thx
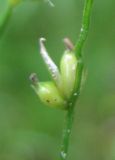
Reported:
(69, 45)
(33, 78)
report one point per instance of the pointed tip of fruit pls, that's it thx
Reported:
(69, 45)
(33, 78)
(42, 39)
(43, 50)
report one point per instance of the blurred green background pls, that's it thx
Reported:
(31, 131)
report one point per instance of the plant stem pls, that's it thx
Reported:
(66, 133)
(84, 27)
(71, 105)
(6, 16)
(4, 19)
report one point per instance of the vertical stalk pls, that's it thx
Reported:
(7, 14)
(4, 19)
(66, 133)
(84, 27)
(78, 50)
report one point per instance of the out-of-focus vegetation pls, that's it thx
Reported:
(31, 131)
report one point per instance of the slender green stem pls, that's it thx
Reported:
(4, 19)
(66, 133)
(78, 50)
(70, 115)
(84, 28)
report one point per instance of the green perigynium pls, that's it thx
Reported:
(57, 93)
(68, 68)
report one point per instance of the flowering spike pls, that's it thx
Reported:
(53, 69)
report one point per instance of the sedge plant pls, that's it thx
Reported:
(64, 89)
